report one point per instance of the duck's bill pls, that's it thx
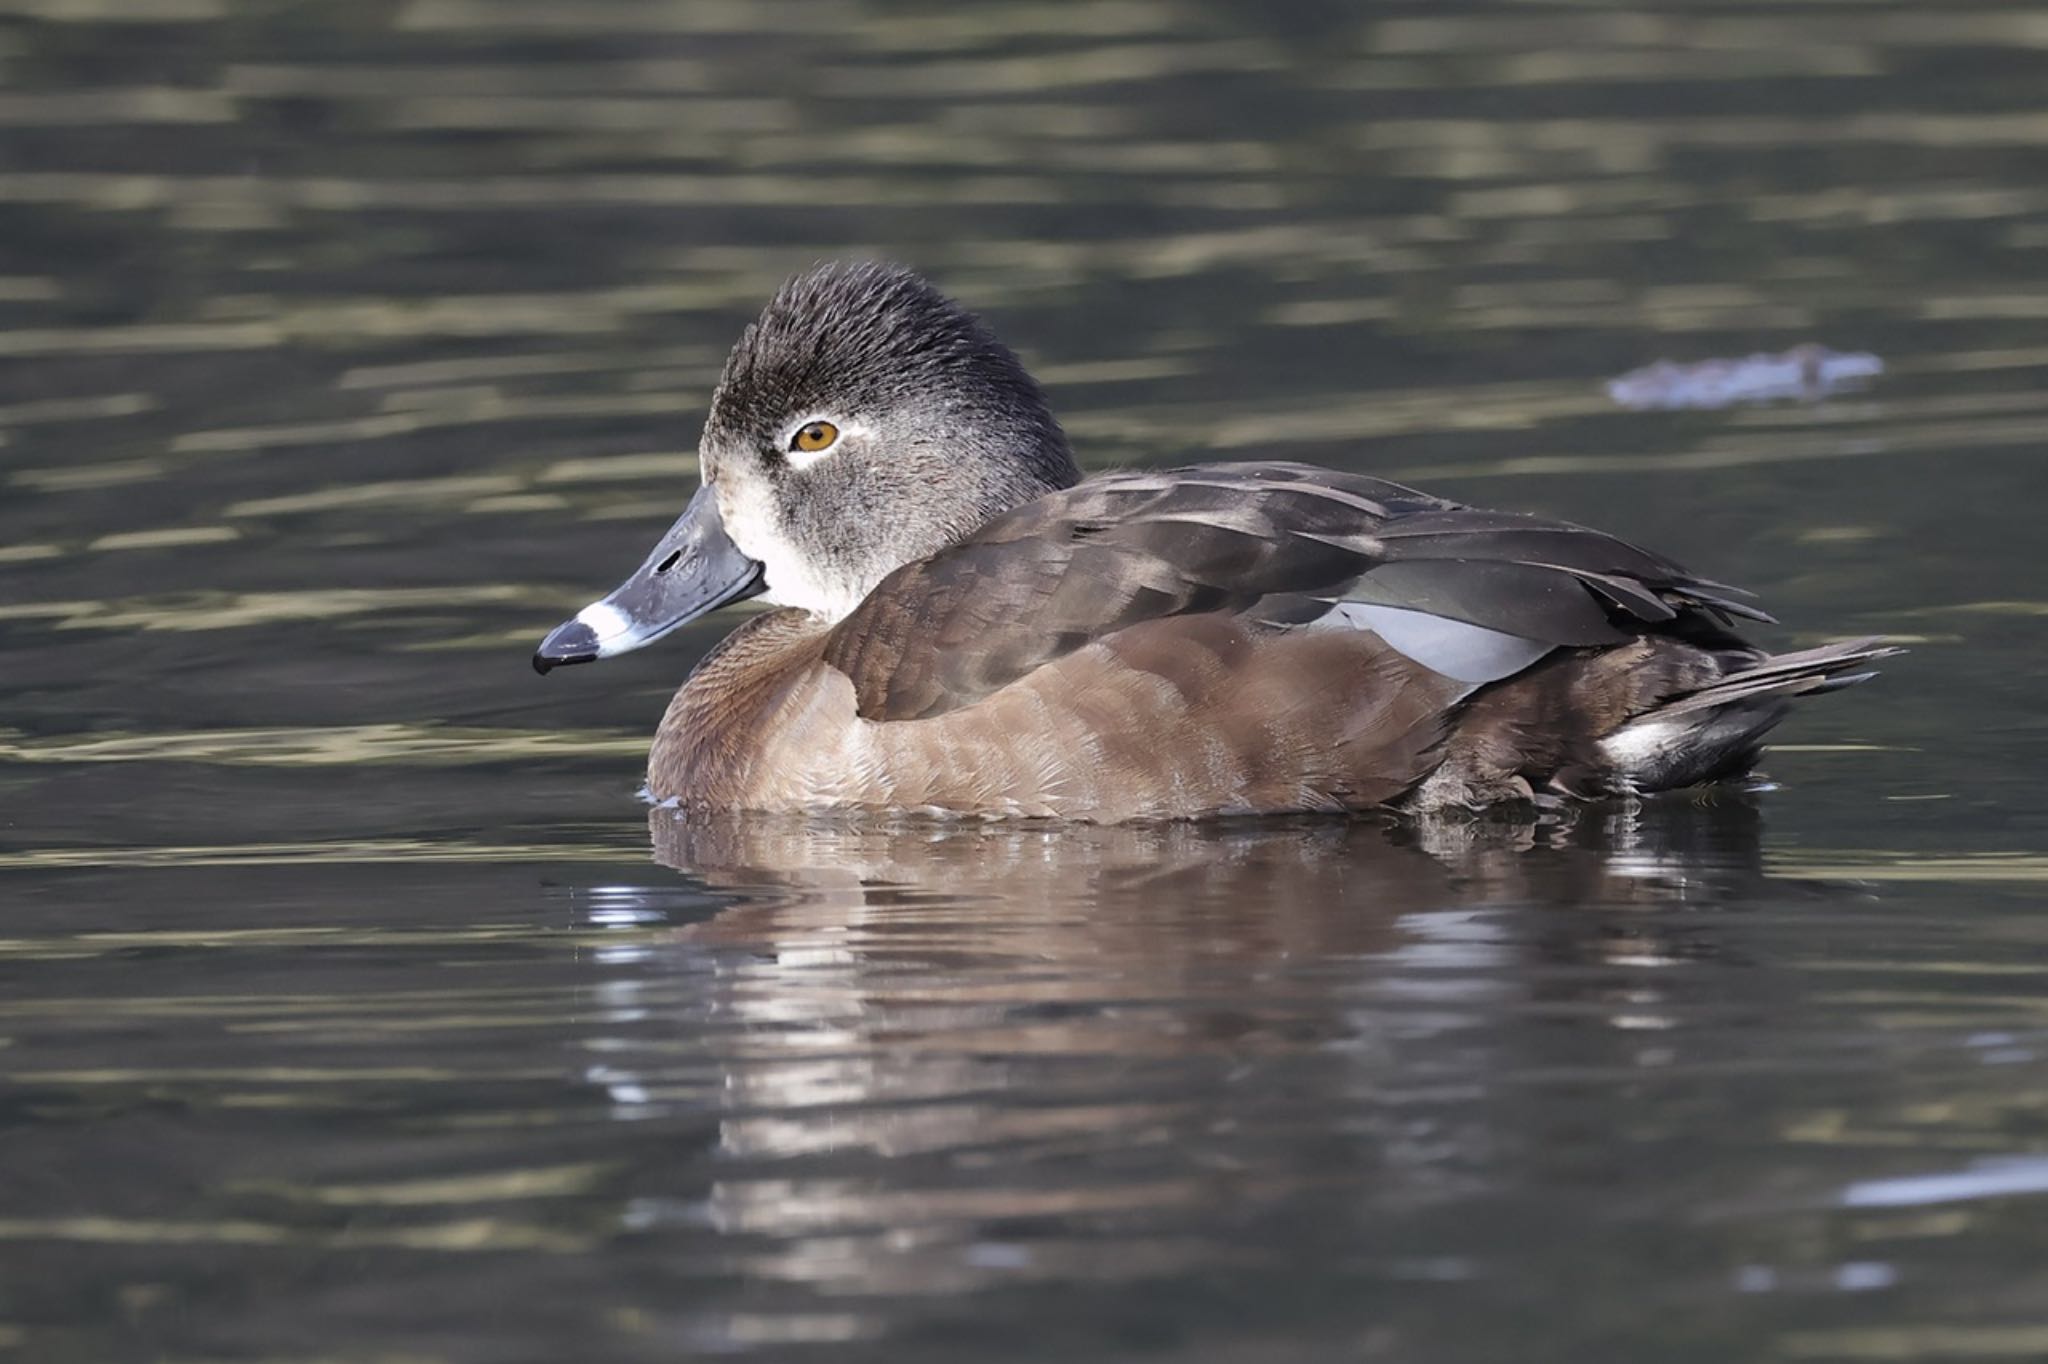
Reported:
(694, 570)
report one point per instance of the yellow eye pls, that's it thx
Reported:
(814, 437)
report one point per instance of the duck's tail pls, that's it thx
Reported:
(1716, 731)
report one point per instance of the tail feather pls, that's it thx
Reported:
(1804, 673)
(1716, 731)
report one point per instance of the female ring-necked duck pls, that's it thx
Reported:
(968, 627)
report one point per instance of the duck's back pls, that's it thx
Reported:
(1239, 638)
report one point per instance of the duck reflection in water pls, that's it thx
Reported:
(936, 1037)
(1245, 889)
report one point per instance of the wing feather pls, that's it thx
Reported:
(1280, 543)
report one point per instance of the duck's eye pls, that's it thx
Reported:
(814, 437)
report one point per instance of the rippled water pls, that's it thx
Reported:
(351, 1009)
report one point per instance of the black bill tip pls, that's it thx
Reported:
(570, 642)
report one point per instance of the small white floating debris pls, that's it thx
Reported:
(1806, 373)
(1995, 1177)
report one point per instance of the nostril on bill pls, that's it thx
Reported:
(670, 562)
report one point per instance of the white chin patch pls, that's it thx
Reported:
(829, 602)
(609, 624)
(794, 578)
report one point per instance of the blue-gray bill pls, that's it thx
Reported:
(694, 569)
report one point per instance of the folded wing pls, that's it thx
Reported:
(1476, 595)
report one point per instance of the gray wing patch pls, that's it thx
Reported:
(1468, 653)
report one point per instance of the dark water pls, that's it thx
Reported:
(351, 1011)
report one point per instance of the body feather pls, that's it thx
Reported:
(1241, 638)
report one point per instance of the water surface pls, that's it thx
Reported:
(352, 1009)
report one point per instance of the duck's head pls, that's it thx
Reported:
(864, 421)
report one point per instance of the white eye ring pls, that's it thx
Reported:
(800, 458)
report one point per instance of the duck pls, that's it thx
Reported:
(964, 626)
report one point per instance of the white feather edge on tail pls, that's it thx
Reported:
(1715, 731)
